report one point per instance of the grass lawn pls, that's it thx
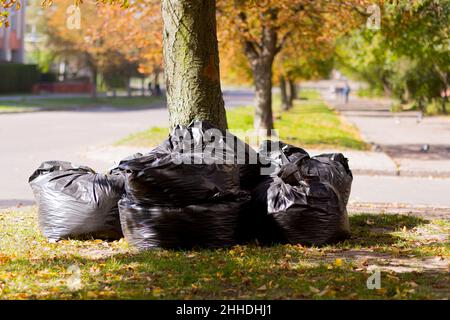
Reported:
(10, 109)
(310, 123)
(77, 102)
(412, 254)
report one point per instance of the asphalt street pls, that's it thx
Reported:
(27, 139)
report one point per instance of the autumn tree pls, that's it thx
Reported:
(191, 59)
(5, 7)
(408, 57)
(420, 31)
(262, 28)
(309, 57)
(111, 40)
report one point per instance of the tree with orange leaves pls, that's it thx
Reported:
(307, 58)
(5, 7)
(111, 40)
(263, 28)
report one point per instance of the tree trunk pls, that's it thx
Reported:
(262, 74)
(94, 83)
(156, 87)
(284, 94)
(386, 86)
(155, 81)
(191, 62)
(445, 81)
(421, 105)
(444, 103)
(129, 87)
(261, 60)
(142, 87)
(292, 92)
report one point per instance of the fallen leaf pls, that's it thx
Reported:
(338, 262)
(262, 288)
(156, 292)
(314, 290)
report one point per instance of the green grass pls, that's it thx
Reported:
(310, 123)
(31, 268)
(11, 109)
(148, 138)
(370, 93)
(77, 102)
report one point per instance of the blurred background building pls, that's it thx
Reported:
(12, 47)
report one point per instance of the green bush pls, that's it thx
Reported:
(17, 77)
(370, 93)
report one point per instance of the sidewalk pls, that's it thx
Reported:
(414, 146)
(375, 177)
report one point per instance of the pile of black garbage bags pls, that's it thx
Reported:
(202, 187)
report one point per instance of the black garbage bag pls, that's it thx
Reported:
(207, 225)
(305, 199)
(75, 202)
(184, 170)
(185, 194)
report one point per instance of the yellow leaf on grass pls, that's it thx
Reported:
(4, 259)
(314, 290)
(156, 292)
(338, 262)
(262, 288)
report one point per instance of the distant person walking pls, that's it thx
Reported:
(346, 91)
(150, 88)
(157, 89)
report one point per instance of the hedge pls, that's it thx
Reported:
(17, 77)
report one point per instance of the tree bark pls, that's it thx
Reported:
(142, 87)
(386, 86)
(284, 94)
(261, 61)
(444, 104)
(292, 92)
(262, 73)
(191, 62)
(129, 93)
(155, 82)
(94, 82)
(444, 78)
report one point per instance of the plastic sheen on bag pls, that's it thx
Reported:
(75, 202)
(306, 198)
(182, 195)
(207, 225)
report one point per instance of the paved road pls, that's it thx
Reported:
(27, 139)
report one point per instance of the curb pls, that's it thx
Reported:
(427, 212)
(402, 173)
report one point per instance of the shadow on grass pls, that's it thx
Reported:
(276, 272)
(375, 229)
